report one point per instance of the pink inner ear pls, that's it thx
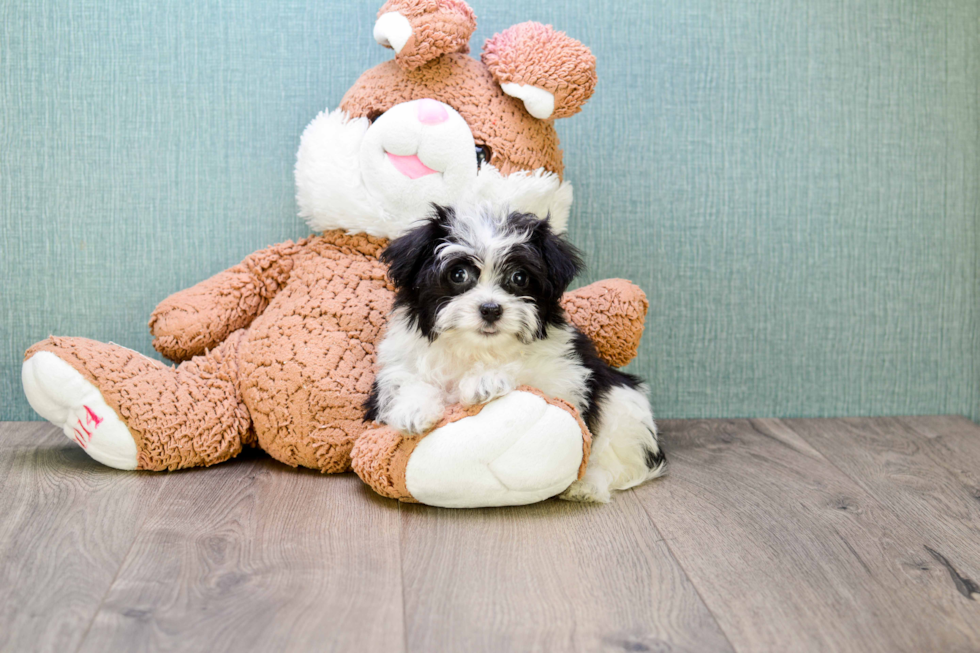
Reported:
(410, 166)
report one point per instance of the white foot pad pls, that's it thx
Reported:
(61, 395)
(519, 449)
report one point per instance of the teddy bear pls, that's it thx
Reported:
(278, 352)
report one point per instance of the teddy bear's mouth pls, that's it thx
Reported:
(410, 166)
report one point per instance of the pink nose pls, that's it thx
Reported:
(432, 112)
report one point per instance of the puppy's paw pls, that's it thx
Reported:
(587, 491)
(414, 418)
(482, 388)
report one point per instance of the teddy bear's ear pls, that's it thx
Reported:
(551, 72)
(421, 30)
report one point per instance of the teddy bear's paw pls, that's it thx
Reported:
(518, 449)
(61, 395)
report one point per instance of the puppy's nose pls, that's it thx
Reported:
(491, 312)
(432, 112)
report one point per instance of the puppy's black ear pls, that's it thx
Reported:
(407, 254)
(562, 259)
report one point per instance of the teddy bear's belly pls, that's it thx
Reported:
(308, 366)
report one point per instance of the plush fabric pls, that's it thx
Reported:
(197, 319)
(518, 142)
(72, 402)
(535, 55)
(279, 350)
(381, 455)
(293, 375)
(519, 449)
(330, 149)
(612, 314)
(191, 416)
(438, 27)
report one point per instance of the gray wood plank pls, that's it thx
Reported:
(66, 524)
(549, 577)
(953, 442)
(926, 471)
(790, 553)
(252, 555)
(856, 534)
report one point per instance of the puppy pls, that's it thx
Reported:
(477, 313)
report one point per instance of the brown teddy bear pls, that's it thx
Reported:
(278, 351)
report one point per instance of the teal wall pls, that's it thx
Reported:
(795, 183)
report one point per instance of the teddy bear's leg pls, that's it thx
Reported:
(521, 448)
(132, 412)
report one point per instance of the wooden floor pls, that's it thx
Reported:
(766, 535)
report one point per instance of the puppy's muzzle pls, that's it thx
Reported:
(491, 312)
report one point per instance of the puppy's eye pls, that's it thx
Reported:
(482, 155)
(519, 278)
(458, 275)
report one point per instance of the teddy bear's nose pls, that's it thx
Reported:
(432, 112)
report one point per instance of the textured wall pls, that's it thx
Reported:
(795, 183)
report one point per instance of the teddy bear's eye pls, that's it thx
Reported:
(482, 155)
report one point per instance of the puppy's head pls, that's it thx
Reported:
(482, 274)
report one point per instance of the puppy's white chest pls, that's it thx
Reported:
(493, 371)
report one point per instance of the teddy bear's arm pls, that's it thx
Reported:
(196, 319)
(611, 312)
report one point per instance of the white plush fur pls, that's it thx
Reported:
(517, 450)
(538, 102)
(61, 395)
(343, 180)
(539, 192)
(392, 30)
(329, 189)
(446, 147)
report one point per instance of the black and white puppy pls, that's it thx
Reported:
(477, 313)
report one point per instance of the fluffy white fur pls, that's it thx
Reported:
(539, 192)
(418, 379)
(464, 366)
(617, 461)
(329, 189)
(472, 362)
(343, 180)
(444, 146)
